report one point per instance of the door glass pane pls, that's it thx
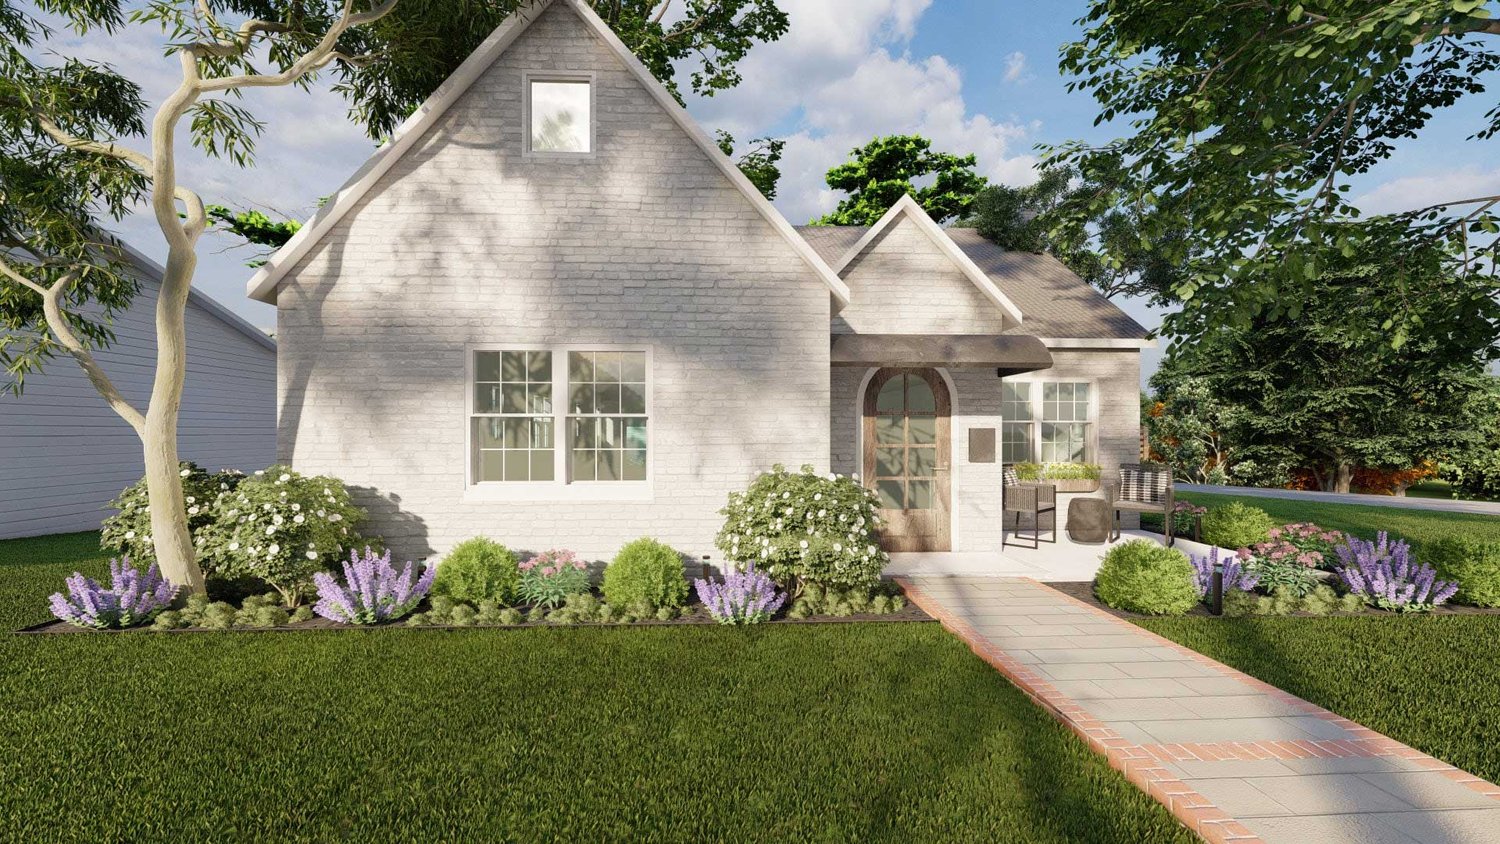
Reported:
(890, 398)
(889, 429)
(920, 495)
(919, 397)
(889, 463)
(891, 494)
(922, 429)
(921, 462)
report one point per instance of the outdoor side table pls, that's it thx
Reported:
(1088, 520)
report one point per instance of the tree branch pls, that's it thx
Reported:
(78, 144)
(310, 61)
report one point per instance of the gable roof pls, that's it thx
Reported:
(154, 272)
(1058, 305)
(262, 285)
(908, 207)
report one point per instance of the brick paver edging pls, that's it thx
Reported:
(1142, 765)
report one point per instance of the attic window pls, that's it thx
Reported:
(561, 116)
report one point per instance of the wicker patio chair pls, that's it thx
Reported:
(1023, 498)
(1142, 488)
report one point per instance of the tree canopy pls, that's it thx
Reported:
(1248, 121)
(760, 161)
(886, 169)
(1107, 248)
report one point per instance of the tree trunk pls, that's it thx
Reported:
(169, 529)
(1343, 477)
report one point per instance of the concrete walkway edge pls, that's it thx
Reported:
(1146, 766)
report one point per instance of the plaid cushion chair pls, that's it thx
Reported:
(1032, 498)
(1143, 488)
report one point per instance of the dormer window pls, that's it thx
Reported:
(560, 116)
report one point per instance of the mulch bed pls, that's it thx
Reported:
(1084, 591)
(698, 615)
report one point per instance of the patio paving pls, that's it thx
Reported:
(1234, 758)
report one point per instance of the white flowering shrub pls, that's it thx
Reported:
(281, 527)
(128, 532)
(803, 526)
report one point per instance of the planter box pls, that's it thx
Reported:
(1074, 485)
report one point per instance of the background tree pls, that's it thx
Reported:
(1191, 427)
(67, 159)
(1248, 121)
(1107, 247)
(760, 162)
(885, 169)
(1323, 392)
(423, 41)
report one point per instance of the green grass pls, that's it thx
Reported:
(794, 732)
(1432, 682)
(1436, 488)
(1416, 526)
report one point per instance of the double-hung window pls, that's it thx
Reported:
(1047, 422)
(558, 417)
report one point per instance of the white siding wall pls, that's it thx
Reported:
(64, 454)
(467, 241)
(1115, 376)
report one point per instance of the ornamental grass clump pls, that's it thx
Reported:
(1236, 576)
(372, 591)
(805, 527)
(745, 597)
(551, 576)
(131, 598)
(1384, 574)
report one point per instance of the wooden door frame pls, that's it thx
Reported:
(942, 536)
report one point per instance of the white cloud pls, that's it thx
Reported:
(1409, 193)
(1015, 67)
(843, 75)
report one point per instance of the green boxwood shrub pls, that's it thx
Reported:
(1236, 525)
(1142, 576)
(645, 574)
(1474, 564)
(478, 570)
(803, 526)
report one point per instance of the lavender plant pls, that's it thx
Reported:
(372, 591)
(132, 597)
(746, 597)
(1385, 575)
(1236, 576)
(551, 576)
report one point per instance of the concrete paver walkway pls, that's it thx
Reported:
(1234, 758)
(1447, 505)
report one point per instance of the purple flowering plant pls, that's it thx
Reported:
(745, 597)
(1384, 574)
(372, 590)
(131, 598)
(1236, 575)
(551, 576)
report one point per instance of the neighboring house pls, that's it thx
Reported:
(552, 312)
(64, 454)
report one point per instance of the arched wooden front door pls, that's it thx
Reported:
(907, 420)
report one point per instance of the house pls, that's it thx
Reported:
(552, 312)
(64, 454)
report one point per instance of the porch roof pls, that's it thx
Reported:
(1012, 353)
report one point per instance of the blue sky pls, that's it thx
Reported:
(976, 76)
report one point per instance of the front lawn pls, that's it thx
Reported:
(795, 732)
(1432, 682)
(1416, 526)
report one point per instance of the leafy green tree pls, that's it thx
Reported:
(1324, 391)
(1108, 250)
(423, 41)
(1191, 426)
(1248, 122)
(75, 147)
(885, 169)
(760, 162)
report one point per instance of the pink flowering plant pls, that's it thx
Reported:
(1302, 543)
(131, 598)
(745, 597)
(372, 590)
(551, 576)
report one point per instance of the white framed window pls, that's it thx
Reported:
(1047, 422)
(557, 418)
(559, 115)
